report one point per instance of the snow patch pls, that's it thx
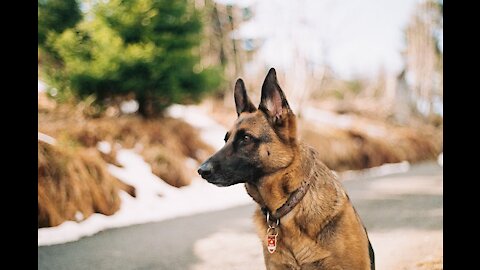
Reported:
(210, 131)
(327, 117)
(324, 117)
(191, 163)
(79, 216)
(104, 147)
(45, 138)
(130, 106)
(382, 170)
(42, 87)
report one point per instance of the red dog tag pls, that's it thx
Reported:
(272, 242)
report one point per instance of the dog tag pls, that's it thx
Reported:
(271, 240)
(271, 243)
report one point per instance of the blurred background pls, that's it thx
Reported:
(134, 95)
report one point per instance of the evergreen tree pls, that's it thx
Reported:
(145, 47)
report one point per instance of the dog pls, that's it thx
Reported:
(305, 218)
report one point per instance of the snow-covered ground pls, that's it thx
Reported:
(382, 170)
(155, 200)
(45, 138)
(41, 86)
(210, 131)
(321, 118)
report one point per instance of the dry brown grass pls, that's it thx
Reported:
(74, 179)
(167, 143)
(353, 149)
(168, 165)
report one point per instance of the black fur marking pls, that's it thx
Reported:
(239, 142)
(302, 228)
(285, 187)
(328, 230)
(265, 138)
(319, 264)
(372, 255)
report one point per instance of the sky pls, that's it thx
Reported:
(355, 37)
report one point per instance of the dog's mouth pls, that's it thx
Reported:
(206, 172)
(218, 181)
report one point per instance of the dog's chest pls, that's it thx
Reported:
(294, 250)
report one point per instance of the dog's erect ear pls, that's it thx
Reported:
(242, 101)
(273, 100)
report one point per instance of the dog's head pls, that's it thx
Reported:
(261, 141)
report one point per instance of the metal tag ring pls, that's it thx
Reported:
(268, 221)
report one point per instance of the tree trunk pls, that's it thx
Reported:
(145, 106)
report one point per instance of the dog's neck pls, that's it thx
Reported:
(273, 190)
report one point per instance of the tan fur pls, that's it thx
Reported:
(323, 230)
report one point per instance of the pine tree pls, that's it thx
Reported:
(145, 47)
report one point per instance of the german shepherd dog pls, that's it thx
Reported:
(305, 218)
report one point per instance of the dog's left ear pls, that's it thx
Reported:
(273, 101)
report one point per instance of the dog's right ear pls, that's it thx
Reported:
(273, 100)
(242, 101)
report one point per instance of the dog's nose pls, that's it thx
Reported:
(205, 170)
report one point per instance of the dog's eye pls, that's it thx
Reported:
(246, 138)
